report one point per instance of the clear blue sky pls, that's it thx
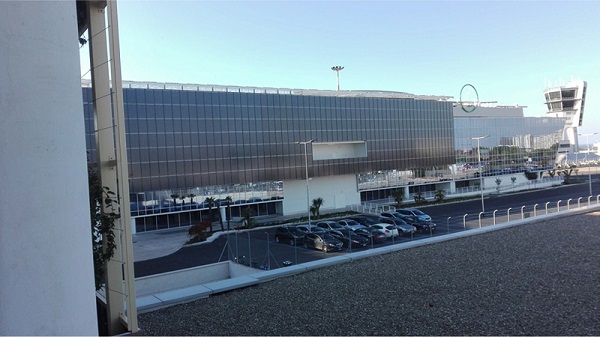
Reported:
(508, 50)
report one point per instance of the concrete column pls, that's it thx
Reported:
(46, 269)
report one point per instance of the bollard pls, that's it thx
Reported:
(494, 216)
(249, 249)
(508, 214)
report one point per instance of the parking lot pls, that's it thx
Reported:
(258, 248)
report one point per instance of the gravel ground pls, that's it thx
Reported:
(537, 279)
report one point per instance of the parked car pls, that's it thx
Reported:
(329, 225)
(387, 229)
(289, 234)
(346, 235)
(421, 225)
(373, 234)
(310, 229)
(414, 212)
(403, 226)
(363, 220)
(350, 223)
(392, 214)
(322, 241)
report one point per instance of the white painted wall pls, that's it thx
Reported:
(46, 271)
(336, 191)
(190, 277)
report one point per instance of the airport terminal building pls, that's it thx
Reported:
(189, 142)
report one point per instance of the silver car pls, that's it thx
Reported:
(400, 224)
(414, 212)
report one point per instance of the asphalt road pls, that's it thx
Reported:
(258, 248)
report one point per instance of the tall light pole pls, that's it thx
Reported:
(306, 170)
(587, 140)
(337, 69)
(480, 171)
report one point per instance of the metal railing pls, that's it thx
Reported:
(250, 248)
(469, 221)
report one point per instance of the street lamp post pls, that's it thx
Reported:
(306, 170)
(587, 140)
(337, 69)
(480, 171)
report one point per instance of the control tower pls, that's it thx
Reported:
(567, 101)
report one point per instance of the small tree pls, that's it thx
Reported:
(512, 180)
(530, 175)
(174, 196)
(440, 195)
(317, 203)
(247, 221)
(398, 196)
(498, 182)
(198, 232)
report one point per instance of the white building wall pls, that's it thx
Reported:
(336, 191)
(496, 111)
(46, 270)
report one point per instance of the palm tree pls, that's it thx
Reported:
(220, 217)
(228, 200)
(210, 201)
(439, 195)
(191, 196)
(317, 203)
(174, 196)
(313, 211)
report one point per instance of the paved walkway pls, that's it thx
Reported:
(151, 245)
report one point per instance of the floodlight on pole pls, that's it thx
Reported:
(306, 170)
(480, 171)
(587, 140)
(337, 69)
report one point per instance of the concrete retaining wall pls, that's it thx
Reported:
(190, 277)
